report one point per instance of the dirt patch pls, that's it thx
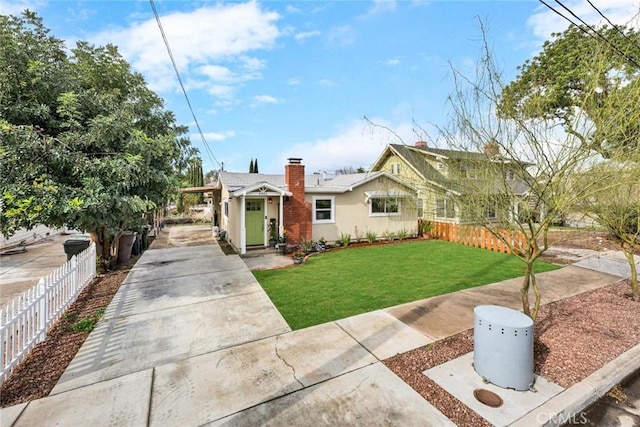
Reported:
(226, 247)
(565, 346)
(582, 239)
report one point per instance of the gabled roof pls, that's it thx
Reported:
(416, 158)
(238, 182)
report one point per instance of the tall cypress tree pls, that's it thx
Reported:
(251, 166)
(255, 166)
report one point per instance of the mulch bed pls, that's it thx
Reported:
(39, 372)
(574, 337)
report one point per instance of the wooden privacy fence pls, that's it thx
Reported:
(477, 237)
(25, 321)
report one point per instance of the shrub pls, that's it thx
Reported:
(389, 235)
(358, 235)
(402, 234)
(345, 239)
(371, 236)
(306, 245)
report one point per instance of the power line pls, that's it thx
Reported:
(633, 43)
(184, 91)
(624, 55)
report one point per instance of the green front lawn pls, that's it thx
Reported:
(342, 283)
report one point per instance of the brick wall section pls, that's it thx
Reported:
(297, 213)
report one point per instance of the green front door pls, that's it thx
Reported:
(254, 221)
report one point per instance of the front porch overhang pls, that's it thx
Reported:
(261, 189)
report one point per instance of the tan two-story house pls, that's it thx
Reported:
(443, 176)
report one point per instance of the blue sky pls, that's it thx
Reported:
(278, 79)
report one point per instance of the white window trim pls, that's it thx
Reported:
(446, 206)
(225, 208)
(398, 200)
(333, 210)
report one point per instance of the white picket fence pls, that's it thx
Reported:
(26, 320)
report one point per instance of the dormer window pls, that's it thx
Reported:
(440, 165)
(510, 175)
(395, 168)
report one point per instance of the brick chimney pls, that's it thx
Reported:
(492, 148)
(297, 213)
(421, 144)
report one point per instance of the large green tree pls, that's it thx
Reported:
(85, 142)
(580, 77)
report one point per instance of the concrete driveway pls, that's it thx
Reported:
(192, 339)
(20, 272)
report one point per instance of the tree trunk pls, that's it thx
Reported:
(524, 291)
(536, 291)
(529, 281)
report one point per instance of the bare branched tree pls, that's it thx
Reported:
(522, 177)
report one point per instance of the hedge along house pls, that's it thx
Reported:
(313, 206)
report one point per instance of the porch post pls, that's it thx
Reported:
(243, 226)
(281, 209)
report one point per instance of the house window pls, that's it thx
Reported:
(397, 168)
(440, 165)
(226, 209)
(323, 210)
(420, 206)
(384, 207)
(510, 175)
(491, 213)
(393, 168)
(445, 208)
(253, 205)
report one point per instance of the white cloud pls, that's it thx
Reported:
(211, 45)
(294, 81)
(356, 144)
(217, 73)
(15, 7)
(341, 36)
(393, 62)
(545, 21)
(216, 136)
(381, 6)
(327, 83)
(306, 34)
(292, 9)
(263, 99)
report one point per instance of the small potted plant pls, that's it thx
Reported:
(425, 228)
(282, 243)
(298, 257)
(273, 234)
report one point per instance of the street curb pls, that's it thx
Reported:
(567, 406)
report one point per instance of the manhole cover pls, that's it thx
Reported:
(487, 397)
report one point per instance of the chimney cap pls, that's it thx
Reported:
(294, 160)
(421, 144)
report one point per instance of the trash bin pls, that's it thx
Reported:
(503, 346)
(136, 249)
(76, 244)
(127, 238)
(145, 237)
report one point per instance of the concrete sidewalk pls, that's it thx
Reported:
(192, 339)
